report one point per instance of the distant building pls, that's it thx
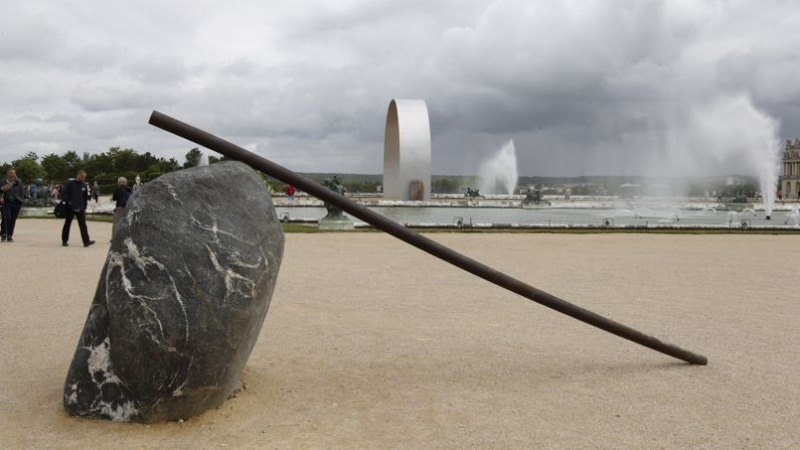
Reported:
(789, 180)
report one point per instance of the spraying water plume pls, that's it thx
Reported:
(499, 174)
(726, 135)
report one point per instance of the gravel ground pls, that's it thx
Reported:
(370, 343)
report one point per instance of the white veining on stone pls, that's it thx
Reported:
(227, 267)
(131, 211)
(171, 190)
(179, 390)
(216, 231)
(133, 255)
(119, 413)
(236, 261)
(214, 260)
(230, 275)
(99, 362)
(117, 260)
(265, 260)
(99, 365)
(73, 396)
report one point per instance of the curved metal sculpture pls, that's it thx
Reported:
(407, 151)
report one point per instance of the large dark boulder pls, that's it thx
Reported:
(181, 298)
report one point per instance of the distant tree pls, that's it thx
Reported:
(104, 167)
(146, 161)
(74, 162)
(445, 185)
(192, 158)
(55, 166)
(170, 166)
(100, 164)
(213, 159)
(59, 168)
(152, 172)
(353, 186)
(584, 189)
(28, 168)
(126, 159)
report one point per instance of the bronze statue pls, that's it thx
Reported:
(472, 193)
(335, 184)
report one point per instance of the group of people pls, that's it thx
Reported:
(75, 195)
(40, 193)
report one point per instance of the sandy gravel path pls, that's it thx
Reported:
(370, 343)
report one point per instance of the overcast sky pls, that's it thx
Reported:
(675, 87)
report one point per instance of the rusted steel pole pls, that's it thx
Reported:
(399, 231)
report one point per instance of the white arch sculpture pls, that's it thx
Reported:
(407, 151)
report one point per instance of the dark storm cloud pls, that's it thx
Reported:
(620, 87)
(603, 87)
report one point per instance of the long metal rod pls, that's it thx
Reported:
(285, 175)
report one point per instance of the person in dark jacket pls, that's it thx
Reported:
(11, 192)
(120, 195)
(75, 195)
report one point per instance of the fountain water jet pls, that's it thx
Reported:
(768, 168)
(761, 145)
(725, 132)
(499, 175)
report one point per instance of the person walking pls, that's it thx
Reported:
(11, 190)
(120, 195)
(33, 192)
(96, 192)
(75, 195)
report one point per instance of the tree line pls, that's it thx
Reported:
(104, 167)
